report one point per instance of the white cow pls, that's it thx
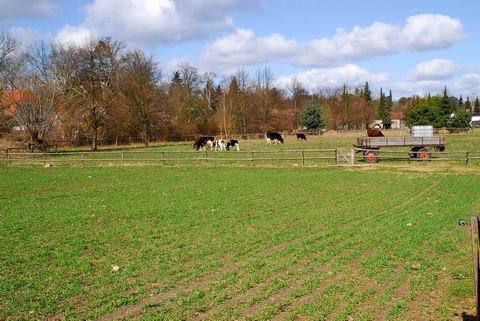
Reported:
(220, 145)
(209, 144)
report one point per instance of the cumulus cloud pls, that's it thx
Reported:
(418, 87)
(242, 47)
(431, 31)
(335, 77)
(434, 69)
(433, 75)
(13, 9)
(73, 36)
(419, 33)
(153, 22)
(25, 36)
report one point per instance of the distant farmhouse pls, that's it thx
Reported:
(397, 120)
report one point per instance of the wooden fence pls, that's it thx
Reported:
(303, 157)
(339, 156)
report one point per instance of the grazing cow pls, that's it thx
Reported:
(220, 145)
(301, 136)
(272, 137)
(374, 132)
(210, 144)
(233, 143)
(202, 141)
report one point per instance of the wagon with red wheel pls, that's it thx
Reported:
(420, 147)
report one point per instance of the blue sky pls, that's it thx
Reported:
(411, 47)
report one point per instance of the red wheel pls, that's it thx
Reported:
(371, 156)
(424, 154)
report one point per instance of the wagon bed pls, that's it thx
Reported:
(377, 142)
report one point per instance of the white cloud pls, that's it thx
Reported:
(26, 36)
(13, 9)
(420, 32)
(71, 35)
(435, 69)
(467, 84)
(242, 47)
(418, 87)
(153, 22)
(433, 75)
(432, 31)
(335, 77)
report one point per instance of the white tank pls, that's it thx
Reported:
(422, 131)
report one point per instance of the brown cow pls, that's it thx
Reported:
(373, 132)
(201, 141)
(301, 136)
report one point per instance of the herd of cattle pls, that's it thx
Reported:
(204, 142)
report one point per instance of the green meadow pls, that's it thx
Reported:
(227, 243)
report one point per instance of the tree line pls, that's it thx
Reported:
(104, 90)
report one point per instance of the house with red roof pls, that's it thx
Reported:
(397, 118)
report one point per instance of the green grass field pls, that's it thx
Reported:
(235, 243)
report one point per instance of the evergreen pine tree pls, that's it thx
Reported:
(460, 103)
(366, 92)
(468, 105)
(176, 78)
(312, 117)
(476, 105)
(384, 109)
(445, 109)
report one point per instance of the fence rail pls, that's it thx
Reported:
(299, 156)
(258, 156)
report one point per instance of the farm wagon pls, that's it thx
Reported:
(420, 147)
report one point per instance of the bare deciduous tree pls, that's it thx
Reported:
(139, 85)
(36, 110)
(299, 97)
(8, 47)
(95, 85)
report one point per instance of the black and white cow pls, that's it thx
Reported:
(202, 141)
(234, 144)
(220, 145)
(272, 137)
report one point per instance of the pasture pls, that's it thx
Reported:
(330, 139)
(219, 243)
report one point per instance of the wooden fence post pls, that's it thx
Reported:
(475, 244)
(206, 156)
(466, 158)
(163, 157)
(8, 157)
(303, 158)
(337, 156)
(123, 156)
(352, 156)
(253, 159)
(83, 159)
